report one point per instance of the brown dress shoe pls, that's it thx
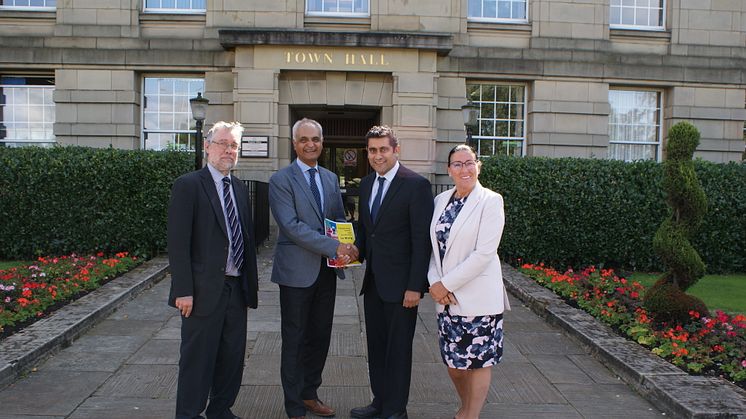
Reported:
(318, 408)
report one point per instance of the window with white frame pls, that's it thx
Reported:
(175, 6)
(26, 111)
(28, 4)
(350, 8)
(501, 127)
(497, 10)
(167, 121)
(637, 14)
(634, 124)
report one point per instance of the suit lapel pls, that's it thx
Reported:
(440, 205)
(390, 193)
(212, 194)
(463, 218)
(300, 179)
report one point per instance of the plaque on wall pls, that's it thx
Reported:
(254, 146)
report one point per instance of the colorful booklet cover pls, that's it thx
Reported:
(345, 234)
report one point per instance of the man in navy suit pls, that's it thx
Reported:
(301, 195)
(396, 205)
(212, 259)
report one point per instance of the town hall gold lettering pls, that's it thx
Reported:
(301, 57)
(338, 57)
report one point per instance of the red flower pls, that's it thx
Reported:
(694, 314)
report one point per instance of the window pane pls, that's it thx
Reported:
(475, 8)
(519, 10)
(489, 9)
(486, 147)
(503, 10)
(27, 111)
(634, 120)
(501, 109)
(338, 6)
(167, 117)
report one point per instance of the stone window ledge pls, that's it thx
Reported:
(351, 23)
(27, 14)
(634, 35)
(172, 17)
(472, 26)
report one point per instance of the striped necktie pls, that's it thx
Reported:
(234, 226)
(315, 189)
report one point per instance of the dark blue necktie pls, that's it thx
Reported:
(234, 227)
(315, 189)
(377, 201)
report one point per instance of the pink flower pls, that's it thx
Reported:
(743, 363)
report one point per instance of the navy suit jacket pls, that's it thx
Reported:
(397, 246)
(198, 241)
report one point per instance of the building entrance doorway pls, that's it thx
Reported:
(344, 146)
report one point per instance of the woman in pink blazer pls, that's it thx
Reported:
(466, 279)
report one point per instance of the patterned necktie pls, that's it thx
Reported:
(315, 189)
(234, 227)
(377, 201)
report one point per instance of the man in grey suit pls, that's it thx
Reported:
(301, 196)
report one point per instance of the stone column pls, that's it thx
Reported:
(256, 95)
(414, 100)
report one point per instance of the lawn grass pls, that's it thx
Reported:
(719, 292)
(5, 264)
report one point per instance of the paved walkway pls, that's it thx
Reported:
(126, 367)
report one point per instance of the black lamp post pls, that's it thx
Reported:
(199, 110)
(470, 112)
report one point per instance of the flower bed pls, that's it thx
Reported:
(714, 345)
(29, 292)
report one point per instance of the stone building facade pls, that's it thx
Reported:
(583, 78)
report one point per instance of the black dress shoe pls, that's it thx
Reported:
(399, 415)
(365, 412)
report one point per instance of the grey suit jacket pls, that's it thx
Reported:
(301, 241)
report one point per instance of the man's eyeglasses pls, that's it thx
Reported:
(469, 164)
(226, 145)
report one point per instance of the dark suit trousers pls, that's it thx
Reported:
(212, 355)
(390, 328)
(307, 315)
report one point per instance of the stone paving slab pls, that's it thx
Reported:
(522, 383)
(21, 351)
(531, 411)
(124, 408)
(86, 361)
(54, 393)
(157, 352)
(145, 381)
(595, 400)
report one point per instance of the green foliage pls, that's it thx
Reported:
(76, 199)
(579, 212)
(687, 206)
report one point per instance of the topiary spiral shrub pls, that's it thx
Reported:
(687, 203)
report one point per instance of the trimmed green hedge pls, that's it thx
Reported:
(576, 212)
(60, 200)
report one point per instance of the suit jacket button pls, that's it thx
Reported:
(373, 235)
